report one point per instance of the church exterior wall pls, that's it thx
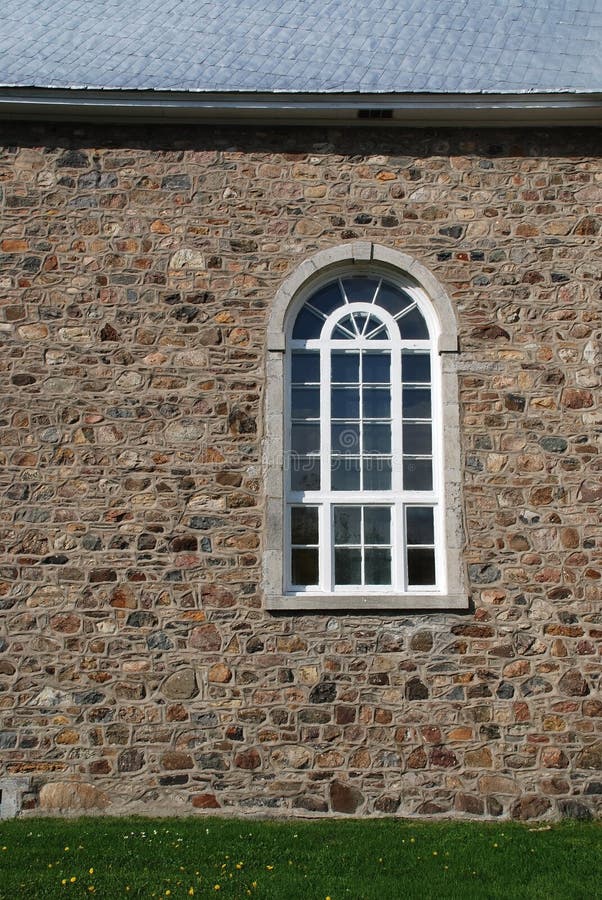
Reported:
(139, 669)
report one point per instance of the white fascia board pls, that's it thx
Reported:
(419, 109)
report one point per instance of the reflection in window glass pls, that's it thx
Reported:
(305, 473)
(412, 326)
(305, 367)
(345, 367)
(416, 367)
(304, 566)
(417, 474)
(304, 525)
(421, 566)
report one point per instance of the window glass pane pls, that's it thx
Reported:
(377, 473)
(347, 566)
(417, 474)
(377, 367)
(416, 403)
(392, 299)
(376, 403)
(421, 566)
(346, 438)
(305, 473)
(305, 367)
(307, 325)
(420, 525)
(412, 326)
(305, 438)
(416, 367)
(345, 328)
(417, 439)
(347, 524)
(360, 321)
(345, 474)
(360, 289)
(377, 564)
(304, 566)
(377, 438)
(327, 298)
(345, 367)
(377, 525)
(345, 403)
(304, 525)
(305, 403)
(342, 334)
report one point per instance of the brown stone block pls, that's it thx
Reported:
(205, 801)
(247, 759)
(468, 803)
(574, 684)
(498, 784)
(554, 758)
(443, 757)
(344, 798)
(590, 757)
(220, 674)
(481, 758)
(206, 638)
(531, 806)
(173, 760)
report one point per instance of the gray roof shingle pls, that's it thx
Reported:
(314, 46)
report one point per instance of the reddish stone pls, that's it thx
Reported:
(574, 684)
(66, 624)
(554, 758)
(574, 398)
(206, 638)
(441, 756)
(344, 798)
(247, 759)
(205, 801)
(215, 596)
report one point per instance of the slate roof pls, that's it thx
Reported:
(314, 46)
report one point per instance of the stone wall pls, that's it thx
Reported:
(138, 670)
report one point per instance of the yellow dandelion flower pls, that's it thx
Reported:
(191, 892)
(5, 848)
(66, 848)
(269, 868)
(254, 884)
(216, 887)
(435, 853)
(63, 881)
(73, 879)
(90, 871)
(239, 865)
(167, 893)
(91, 888)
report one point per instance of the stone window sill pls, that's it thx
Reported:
(356, 602)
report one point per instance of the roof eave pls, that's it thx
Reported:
(85, 104)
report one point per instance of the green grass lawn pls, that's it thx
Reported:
(334, 859)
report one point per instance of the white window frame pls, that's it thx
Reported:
(372, 261)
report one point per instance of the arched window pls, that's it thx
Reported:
(363, 513)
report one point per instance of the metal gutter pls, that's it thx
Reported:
(84, 104)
